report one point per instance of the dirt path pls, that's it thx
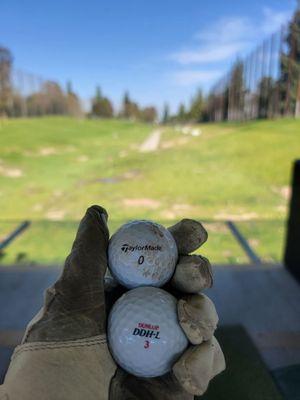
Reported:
(152, 141)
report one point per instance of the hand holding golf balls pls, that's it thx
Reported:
(150, 332)
(145, 335)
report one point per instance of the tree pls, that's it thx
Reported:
(209, 114)
(166, 114)
(148, 114)
(266, 89)
(98, 93)
(225, 104)
(50, 100)
(5, 81)
(236, 92)
(36, 104)
(181, 115)
(101, 106)
(197, 107)
(130, 109)
(55, 101)
(289, 81)
(73, 103)
(126, 106)
(18, 105)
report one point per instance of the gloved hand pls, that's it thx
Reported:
(64, 354)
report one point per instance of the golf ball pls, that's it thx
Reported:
(144, 335)
(142, 253)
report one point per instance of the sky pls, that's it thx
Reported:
(159, 50)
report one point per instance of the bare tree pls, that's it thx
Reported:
(5, 81)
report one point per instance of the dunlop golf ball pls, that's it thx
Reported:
(144, 335)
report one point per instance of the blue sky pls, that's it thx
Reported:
(159, 50)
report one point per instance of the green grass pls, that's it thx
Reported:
(54, 168)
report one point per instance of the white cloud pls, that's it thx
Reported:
(194, 77)
(207, 54)
(220, 42)
(227, 30)
(274, 20)
(228, 37)
(216, 46)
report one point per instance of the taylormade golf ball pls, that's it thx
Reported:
(144, 335)
(142, 253)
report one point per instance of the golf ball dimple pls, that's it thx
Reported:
(144, 335)
(142, 253)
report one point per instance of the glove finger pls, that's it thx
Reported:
(83, 273)
(128, 387)
(75, 306)
(192, 274)
(189, 235)
(198, 317)
(198, 365)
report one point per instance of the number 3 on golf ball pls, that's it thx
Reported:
(142, 253)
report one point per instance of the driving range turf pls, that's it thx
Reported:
(52, 169)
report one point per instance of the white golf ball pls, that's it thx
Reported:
(144, 335)
(142, 253)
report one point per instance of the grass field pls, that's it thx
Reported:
(52, 169)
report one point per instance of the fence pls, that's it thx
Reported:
(26, 94)
(25, 86)
(265, 84)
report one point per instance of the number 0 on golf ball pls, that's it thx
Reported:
(144, 335)
(142, 253)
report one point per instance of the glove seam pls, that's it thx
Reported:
(101, 339)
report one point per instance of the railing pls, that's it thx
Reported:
(230, 242)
